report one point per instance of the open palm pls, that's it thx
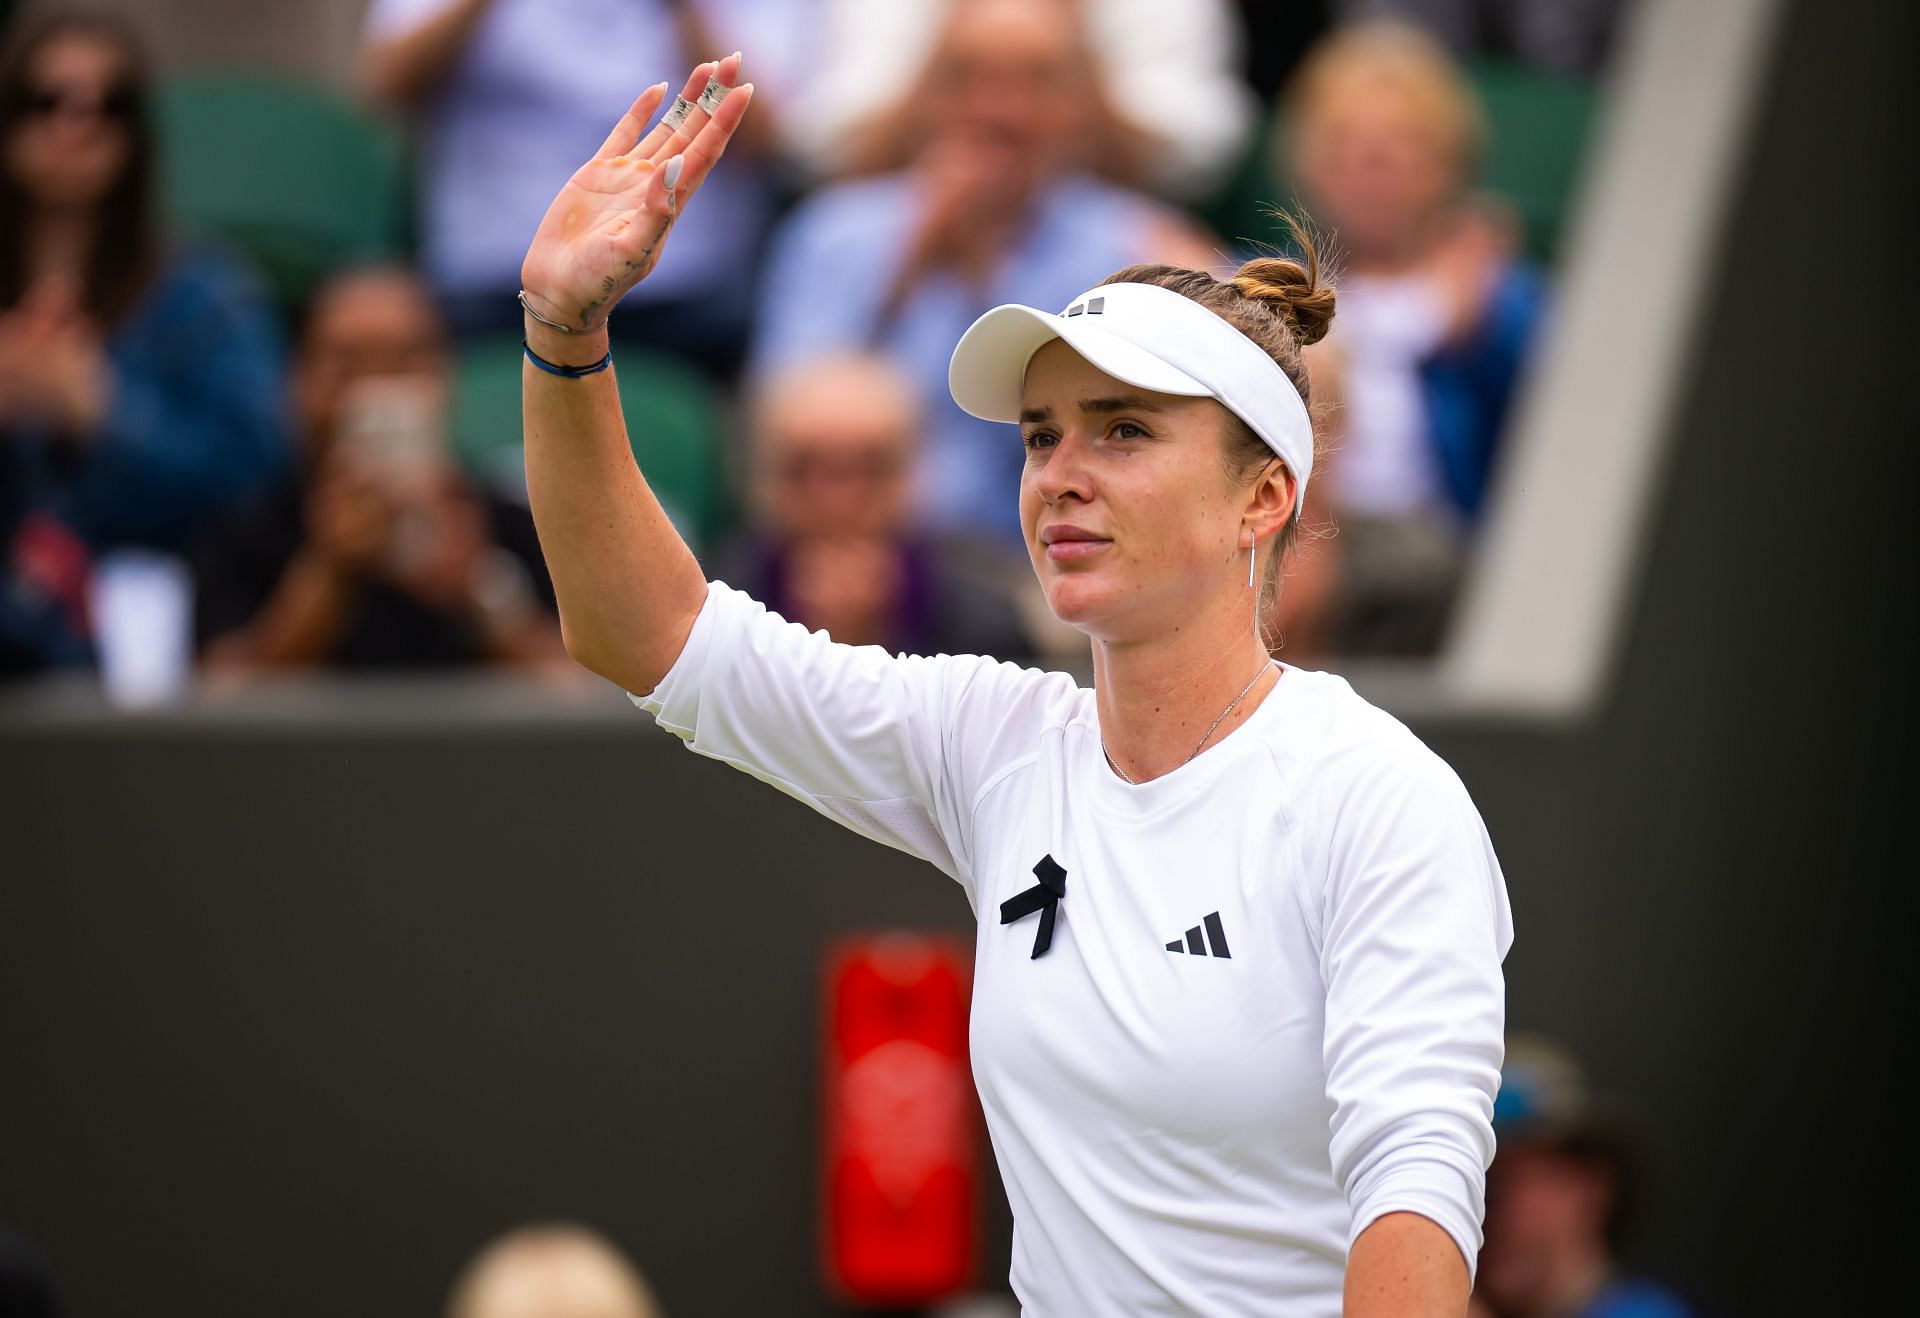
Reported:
(605, 230)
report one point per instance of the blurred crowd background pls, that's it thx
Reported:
(259, 371)
(258, 358)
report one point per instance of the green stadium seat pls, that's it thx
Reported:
(291, 174)
(1239, 211)
(1540, 124)
(673, 420)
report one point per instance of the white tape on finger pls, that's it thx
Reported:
(682, 107)
(714, 93)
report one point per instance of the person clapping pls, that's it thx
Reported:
(139, 381)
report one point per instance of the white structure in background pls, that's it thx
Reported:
(1539, 623)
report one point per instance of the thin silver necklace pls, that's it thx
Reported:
(1211, 729)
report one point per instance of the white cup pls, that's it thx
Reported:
(142, 604)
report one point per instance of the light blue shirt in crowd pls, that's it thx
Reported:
(537, 90)
(833, 263)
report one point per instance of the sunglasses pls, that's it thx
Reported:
(118, 103)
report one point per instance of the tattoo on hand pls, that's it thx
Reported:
(640, 262)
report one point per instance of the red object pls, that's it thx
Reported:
(902, 1128)
(56, 564)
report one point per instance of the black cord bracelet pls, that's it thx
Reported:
(566, 372)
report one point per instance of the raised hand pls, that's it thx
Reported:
(605, 230)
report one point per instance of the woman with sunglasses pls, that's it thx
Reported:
(1238, 1009)
(139, 382)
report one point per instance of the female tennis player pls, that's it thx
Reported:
(1238, 1005)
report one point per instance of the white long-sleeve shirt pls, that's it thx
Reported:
(1272, 1010)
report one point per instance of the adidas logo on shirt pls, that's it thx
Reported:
(1214, 943)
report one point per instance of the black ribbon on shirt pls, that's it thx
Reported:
(1043, 897)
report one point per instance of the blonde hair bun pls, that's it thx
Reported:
(1291, 291)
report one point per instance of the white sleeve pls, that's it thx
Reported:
(892, 747)
(1172, 72)
(1415, 924)
(871, 55)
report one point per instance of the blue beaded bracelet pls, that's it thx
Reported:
(566, 372)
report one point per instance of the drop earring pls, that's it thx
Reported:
(1253, 553)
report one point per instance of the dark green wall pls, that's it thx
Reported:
(291, 1019)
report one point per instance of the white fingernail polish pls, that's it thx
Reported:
(674, 166)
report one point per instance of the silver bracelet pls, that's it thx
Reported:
(554, 324)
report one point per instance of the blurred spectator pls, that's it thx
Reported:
(512, 95)
(26, 1288)
(1562, 36)
(992, 211)
(831, 455)
(140, 386)
(1560, 1196)
(1436, 316)
(377, 552)
(1142, 58)
(554, 1271)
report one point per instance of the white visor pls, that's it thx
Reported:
(1143, 335)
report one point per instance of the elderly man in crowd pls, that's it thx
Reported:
(831, 462)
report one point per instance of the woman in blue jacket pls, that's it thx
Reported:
(140, 387)
(1437, 317)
